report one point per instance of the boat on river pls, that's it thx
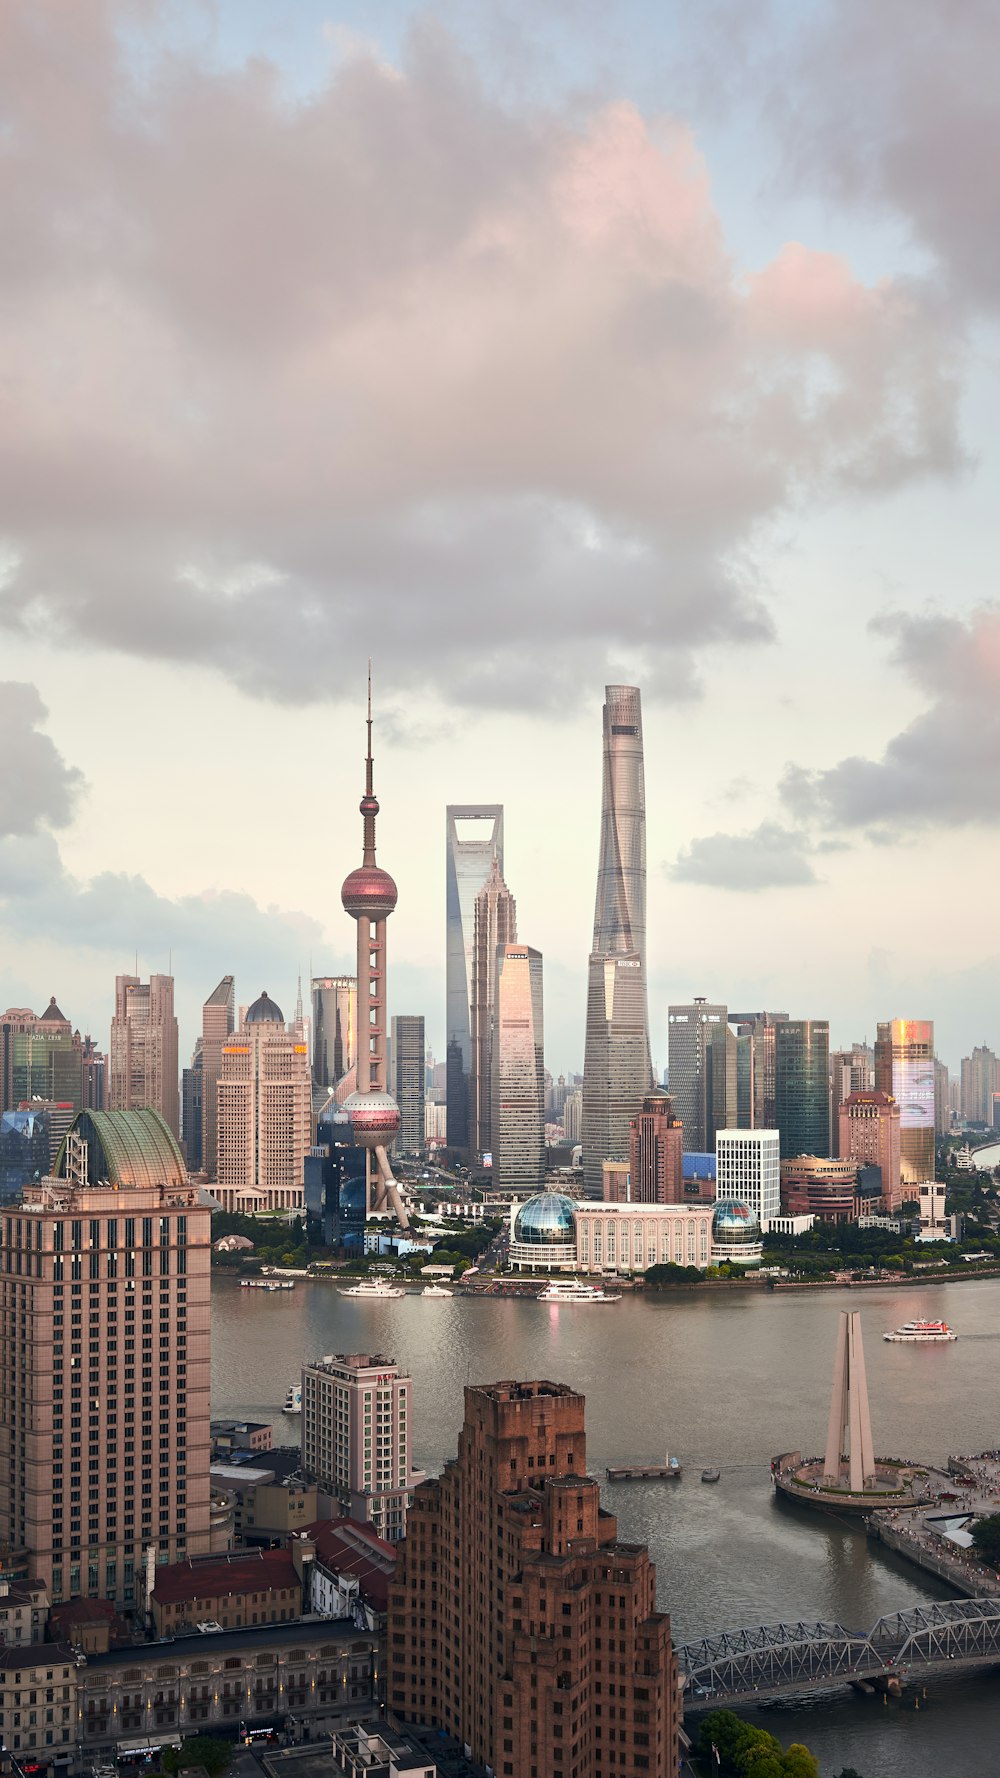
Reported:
(573, 1291)
(925, 1333)
(267, 1284)
(374, 1289)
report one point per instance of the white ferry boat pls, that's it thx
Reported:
(926, 1332)
(375, 1289)
(293, 1400)
(573, 1291)
(267, 1284)
(435, 1290)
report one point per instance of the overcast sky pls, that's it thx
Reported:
(524, 346)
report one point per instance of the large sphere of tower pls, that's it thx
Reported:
(369, 893)
(374, 1118)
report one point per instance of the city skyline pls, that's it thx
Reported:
(511, 567)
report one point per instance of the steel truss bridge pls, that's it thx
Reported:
(782, 1660)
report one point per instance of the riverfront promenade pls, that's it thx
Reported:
(933, 1537)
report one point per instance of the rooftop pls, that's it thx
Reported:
(214, 1577)
(346, 1547)
(35, 1654)
(255, 1639)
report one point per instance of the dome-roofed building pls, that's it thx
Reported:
(736, 1235)
(264, 1011)
(125, 1149)
(543, 1233)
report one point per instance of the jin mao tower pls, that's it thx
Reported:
(369, 896)
(617, 1071)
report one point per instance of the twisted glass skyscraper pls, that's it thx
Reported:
(474, 840)
(617, 1071)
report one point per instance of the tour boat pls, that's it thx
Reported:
(374, 1288)
(267, 1283)
(923, 1331)
(435, 1290)
(573, 1291)
(293, 1400)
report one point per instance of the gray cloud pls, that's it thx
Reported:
(769, 857)
(402, 363)
(37, 788)
(943, 769)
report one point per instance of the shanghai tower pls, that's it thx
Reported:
(617, 1071)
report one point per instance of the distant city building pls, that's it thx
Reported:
(474, 840)
(656, 1152)
(518, 1070)
(802, 1086)
(515, 1527)
(851, 1071)
(748, 1171)
(701, 1070)
(357, 1431)
(980, 1080)
(572, 1115)
(58, 1115)
(823, 1186)
(494, 927)
(40, 1058)
(265, 1114)
(336, 1184)
(335, 1028)
(617, 1069)
(904, 1067)
(24, 1150)
(192, 1110)
(700, 1173)
(94, 1069)
(869, 1136)
(217, 1024)
(123, 1216)
(408, 1079)
(942, 1100)
(760, 1028)
(142, 1059)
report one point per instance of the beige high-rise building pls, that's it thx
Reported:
(264, 1113)
(142, 1060)
(216, 1030)
(104, 1362)
(518, 1070)
(980, 1080)
(494, 926)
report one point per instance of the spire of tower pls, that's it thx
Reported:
(298, 1002)
(369, 802)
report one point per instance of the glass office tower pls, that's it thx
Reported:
(802, 1086)
(474, 838)
(904, 1067)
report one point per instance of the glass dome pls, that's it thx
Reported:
(734, 1225)
(265, 1011)
(546, 1221)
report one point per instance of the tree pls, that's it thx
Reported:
(986, 1538)
(202, 1750)
(748, 1752)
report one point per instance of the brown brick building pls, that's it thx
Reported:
(517, 1621)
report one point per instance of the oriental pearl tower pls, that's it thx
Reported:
(369, 896)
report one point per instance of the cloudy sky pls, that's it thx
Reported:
(524, 345)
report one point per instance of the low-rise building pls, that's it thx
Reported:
(815, 1185)
(241, 1435)
(376, 1751)
(350, 1573)
(24, 1611)
(38, 1702)
(135, 1700)
(245, 1588)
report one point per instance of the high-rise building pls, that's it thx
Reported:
(745, 1073)
(368, 895)
(656, 1153)
(94, 1068)
(40, 1058)
(748, 1171)
(24, 1151)
(142, 1059)
(802, 1086)
(904, 1067)
(265, 1114)
(357, 1428)
(851, 1071)
(474, 841)
(980, 1080)
(617, 1071)
(760, 1027)
(102, 1458)
(869, 1136)
(335, 1028)
(942, 1100)
(518, 1070)
(193, 1110)
(408, 1045)
(494, 927)
(572, 1115)
(217, 1022)
(512, 1650)
(701, 1073)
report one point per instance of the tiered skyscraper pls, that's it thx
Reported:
(369, 896)
(264, 1113)
(142, 1060)
(474, 842)
(494, 927)
(617, 1071)
(518, 1070)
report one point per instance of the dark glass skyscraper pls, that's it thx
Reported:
(617, 1071)
(802, 1086)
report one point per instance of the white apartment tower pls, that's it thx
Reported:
(748, 1169)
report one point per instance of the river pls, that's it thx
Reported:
(726, 1379)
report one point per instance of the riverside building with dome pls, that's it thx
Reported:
(264, 1113)
(555, 1233)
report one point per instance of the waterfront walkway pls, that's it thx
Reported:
(787, 1660)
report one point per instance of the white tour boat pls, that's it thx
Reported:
(925, 1332)
(375, 1289)
(267, 1284)
(293, 1400)
(435, 1290)
(571, 1290)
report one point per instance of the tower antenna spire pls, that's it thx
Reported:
(368, 765)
